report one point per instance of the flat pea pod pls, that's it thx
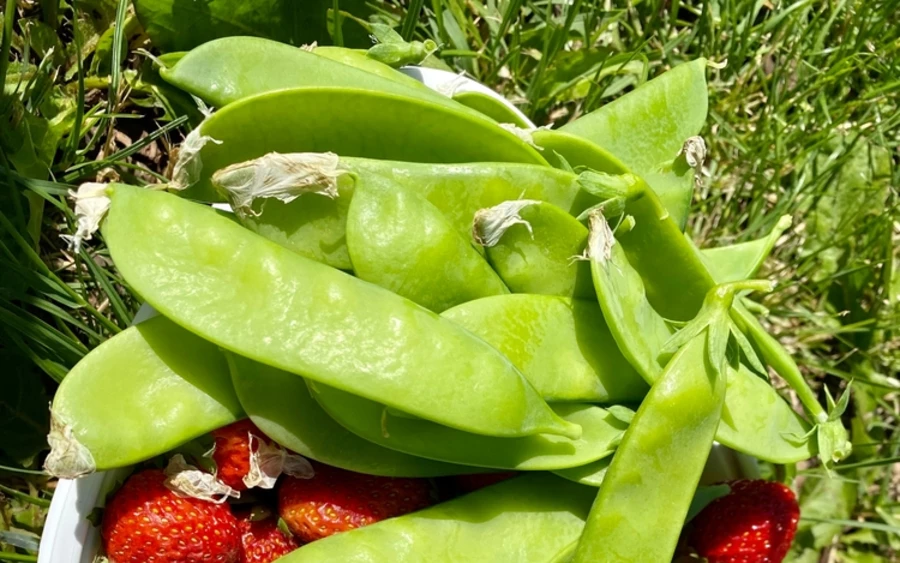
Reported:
(370, 420)
(534, 247)
(672, 181)
(148, 389)
(491, 107)
(591, 474)
(223, 71)
(527, 519)
(314, 226)
(649, 125)
(741, 261)
(400, 241)
(647, 490)
(359, 59)
(256, 299)
(279, 403)
(561, 345)
(755, 420)
(349, 122)
(654, 245)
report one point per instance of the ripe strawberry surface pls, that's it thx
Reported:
(754, 523)
(145, 522)
(335, 500)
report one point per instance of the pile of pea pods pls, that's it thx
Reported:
(410, 284)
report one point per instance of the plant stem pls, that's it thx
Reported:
(22, 496)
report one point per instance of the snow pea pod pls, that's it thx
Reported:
(647, 490)
(314, 226)
(561, 345)
(256, 299)
(534, 247)
(491, 107)
(279, 403)
(359, 59)
(141, 393)
(401, 242)
(349, 122)
(672, 181)
(229, 69)
(741, 261)
(654, 245)
(591, 474)
(370, 420)
(523, 520)
(649, 125)
(755, 420)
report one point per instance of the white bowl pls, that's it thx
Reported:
(69, 537)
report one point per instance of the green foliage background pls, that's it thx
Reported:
(803, 121)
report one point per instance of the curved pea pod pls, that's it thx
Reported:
(647, 490)
(346, 121)
(755, 419)
(279, 403)
(256, 299)
(280, 196)
(400, 241)
(359, 59)
(741, 261)
(654, 245)
(526, 519)
(141, 393)
(229, 69)
(375, 423)
(561, 345)
(672, 180)
(534, 247)
(491, 107)
(591, 474)
(650, 124)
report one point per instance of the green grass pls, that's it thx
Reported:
(803, 121)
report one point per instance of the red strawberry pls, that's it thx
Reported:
(335, 500)
(145, 522)
(475, 481)
(246, 458)
(754, 523)
(232, 453)
(263, 541)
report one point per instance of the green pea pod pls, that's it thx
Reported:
(672, 180)
(741, 261)
(223, 71)
(654, 245)
(279, 403)
(401, 242)
(591, 474)
(650, 124)
(561, 346)
(141, 393)
(359, 59)
(491, 107)
(346, 121)
(370, 420)
(535, 247)
(756, 420)
(529, 518)
(256, 299)
(281, 195)
(647, 490)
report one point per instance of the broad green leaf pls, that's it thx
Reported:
(180, 25)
